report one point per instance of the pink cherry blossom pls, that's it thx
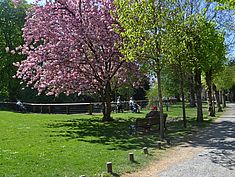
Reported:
(70, 48)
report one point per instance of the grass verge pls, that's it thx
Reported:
(73, 145)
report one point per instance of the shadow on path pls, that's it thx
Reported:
(219, 140)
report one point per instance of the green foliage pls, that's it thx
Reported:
(205, 45)
(171, 80)
(214, 49)
(194, 42)
(152, 95)
(225, 4)
(226, 78)
(170, 87)
(142, 25)
(125, 91)
(12, 19)
(31, 96)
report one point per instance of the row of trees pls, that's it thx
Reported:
(96, 46)
(173, 37)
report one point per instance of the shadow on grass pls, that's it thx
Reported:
(177, 132)
(117, 134)
(115, 174)
(218, 138)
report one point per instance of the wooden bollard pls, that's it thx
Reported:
(159, 144)
(109, 167)
(49, 109)
(168, 141)
(67, 110)
(145, 149)
(90, 109)
(131, 157)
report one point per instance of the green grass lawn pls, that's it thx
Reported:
(73, 145)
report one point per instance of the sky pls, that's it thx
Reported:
(30, 1)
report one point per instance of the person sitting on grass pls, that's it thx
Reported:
(134, 107)
(20, 106)
(131, 103)
(119, 107)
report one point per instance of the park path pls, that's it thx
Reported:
(210, 153)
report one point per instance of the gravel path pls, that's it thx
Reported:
(211, 153)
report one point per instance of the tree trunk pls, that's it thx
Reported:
(223, 99)
(107, 108)
(192, 93)
(167, 104)
(160, 104)
(211, 111)
(220, 97)
(218, 104)
(182, 95)
(213, 100)
(198, 86)
(177, 96)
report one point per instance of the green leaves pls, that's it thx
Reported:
(11, 22)
(142, 22)
(225, 4)
(225, 79)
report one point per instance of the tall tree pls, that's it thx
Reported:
(215, 59)
(209, 57)
(12, 19)
(225, 80)
(142, 29)
(177, 51)
(195, 52)
(70, 48)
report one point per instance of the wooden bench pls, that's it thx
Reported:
(155, 116)
(142, 124)
(148, 122)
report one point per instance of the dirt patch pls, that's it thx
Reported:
(169, 158)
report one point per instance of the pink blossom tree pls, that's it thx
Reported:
(70, 48)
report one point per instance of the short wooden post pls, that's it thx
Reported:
(168, 141)
(159, 144)
(49, 109)
(145, 149)
(90, 109)
(131, 157)
(67, 109)
(109, 167)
